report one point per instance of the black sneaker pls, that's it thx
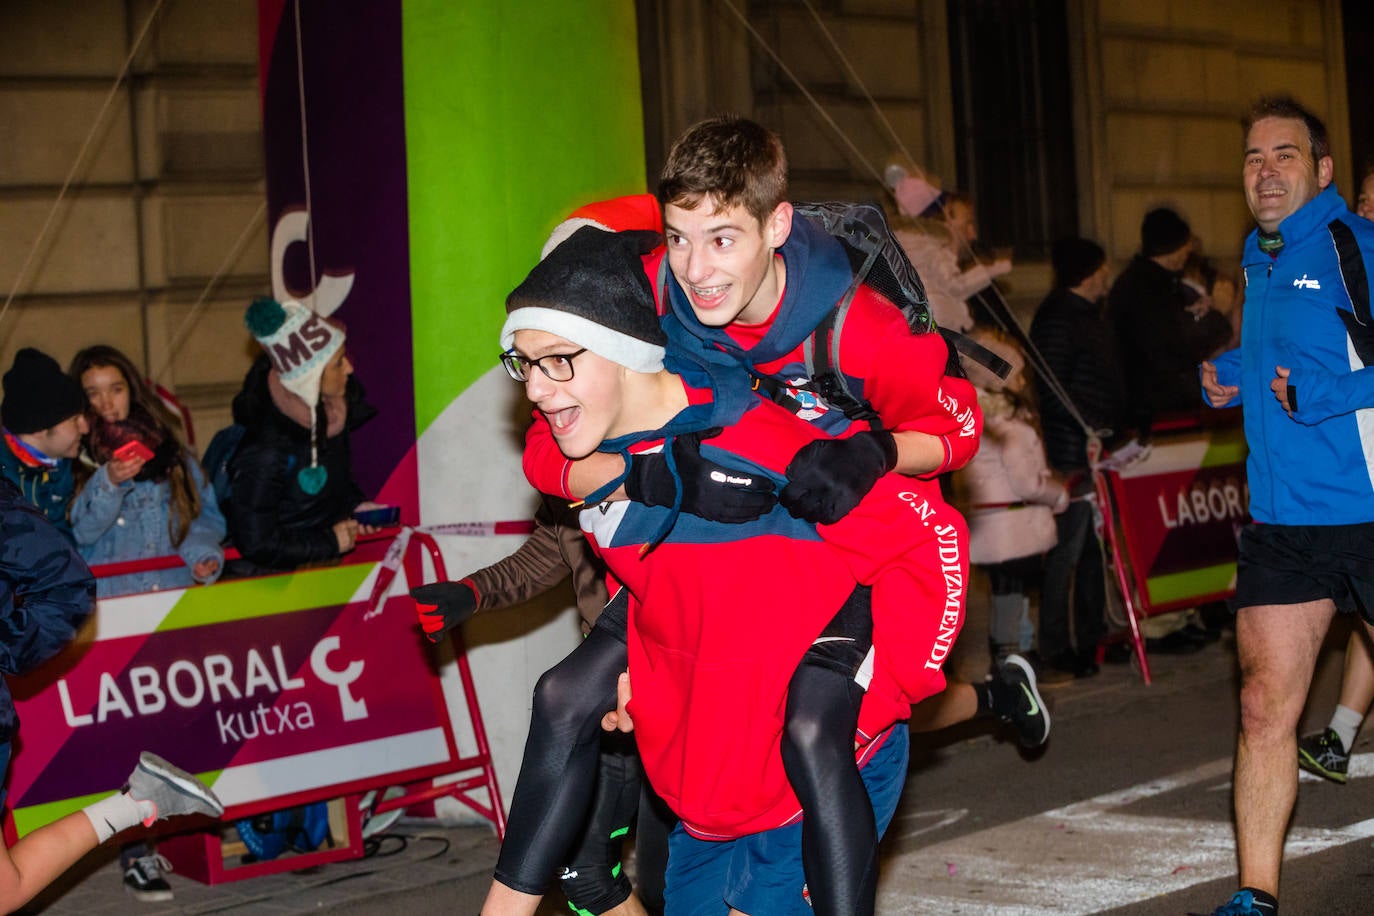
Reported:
(143, 879)
(1017, 701)
(1323, 754)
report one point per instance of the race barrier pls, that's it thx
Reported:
(1172, 523)
(277, 691)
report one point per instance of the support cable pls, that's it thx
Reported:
(1002, 312)
(80, 157)
(235, 250)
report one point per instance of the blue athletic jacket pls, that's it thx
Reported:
(1304, 313)
(46, 593)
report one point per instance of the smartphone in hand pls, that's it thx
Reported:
(379, 517)
(133, 449)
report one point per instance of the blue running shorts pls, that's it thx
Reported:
(761, 874)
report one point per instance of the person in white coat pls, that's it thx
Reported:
(937, 235)
(1010, 494)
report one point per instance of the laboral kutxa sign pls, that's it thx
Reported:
(266, 688)
(1182, 509)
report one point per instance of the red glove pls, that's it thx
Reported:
(441, 606)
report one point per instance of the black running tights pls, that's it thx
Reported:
(558, 773)
(839, 833)
(558, 776)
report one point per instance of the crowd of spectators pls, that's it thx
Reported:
(99, 453)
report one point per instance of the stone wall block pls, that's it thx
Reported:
(198, 232)
(90, 245)
(62, 116)
(62, 38)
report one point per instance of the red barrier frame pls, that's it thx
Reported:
(200, 855)
(1120, 536)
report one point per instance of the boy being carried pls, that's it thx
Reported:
(710, 681)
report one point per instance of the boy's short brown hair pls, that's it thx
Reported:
(736, 161)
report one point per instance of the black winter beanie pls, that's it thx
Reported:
(1163, 232)
(38, 394)
(1075, 260)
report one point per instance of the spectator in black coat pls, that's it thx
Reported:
(292, 494)
(1163, 327)
(1079, 348)
(1079, 351)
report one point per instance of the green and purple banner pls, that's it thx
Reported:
(1182, 509)
(440, 144)
(266, 687)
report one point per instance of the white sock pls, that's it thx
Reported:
(1346, 723)
(117, 813)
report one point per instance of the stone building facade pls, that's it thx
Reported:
(166, 197)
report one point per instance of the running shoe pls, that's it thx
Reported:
(144, 881)
(1324, 754)
(170, 789)
(1018, 702)
(1242, 903)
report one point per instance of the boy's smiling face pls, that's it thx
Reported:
(584, 411)
(723, 259)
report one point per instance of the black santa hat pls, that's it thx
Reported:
(592, 290)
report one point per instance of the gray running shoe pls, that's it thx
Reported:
(1322, 753)
(172, 790)
(1024, 708)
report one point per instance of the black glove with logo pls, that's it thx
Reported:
(441, 606)
(829, 477)
(709, 490)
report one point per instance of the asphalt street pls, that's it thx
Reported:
(1126, 811)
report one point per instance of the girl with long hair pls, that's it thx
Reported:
(141, 493)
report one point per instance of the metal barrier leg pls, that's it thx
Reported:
(481, 761)
(1119, 561)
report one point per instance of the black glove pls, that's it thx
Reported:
(709, 490)
(828, 478)
(441, 606)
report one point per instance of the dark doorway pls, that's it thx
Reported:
(1358, 20)
(1013, 120)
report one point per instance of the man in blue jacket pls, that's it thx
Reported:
(1300, 371)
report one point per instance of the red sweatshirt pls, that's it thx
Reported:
(724, 613)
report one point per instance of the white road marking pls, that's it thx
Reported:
(1053, 862)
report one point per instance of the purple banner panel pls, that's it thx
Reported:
(352, 185)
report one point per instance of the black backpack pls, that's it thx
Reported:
(877, 260)
(218, 455)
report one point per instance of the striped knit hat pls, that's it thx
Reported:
(299, 345)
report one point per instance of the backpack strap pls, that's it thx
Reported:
(822, 353)
(962, 343)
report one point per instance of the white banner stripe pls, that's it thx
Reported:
(302, 772)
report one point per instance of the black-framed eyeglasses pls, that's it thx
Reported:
(557, 366)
